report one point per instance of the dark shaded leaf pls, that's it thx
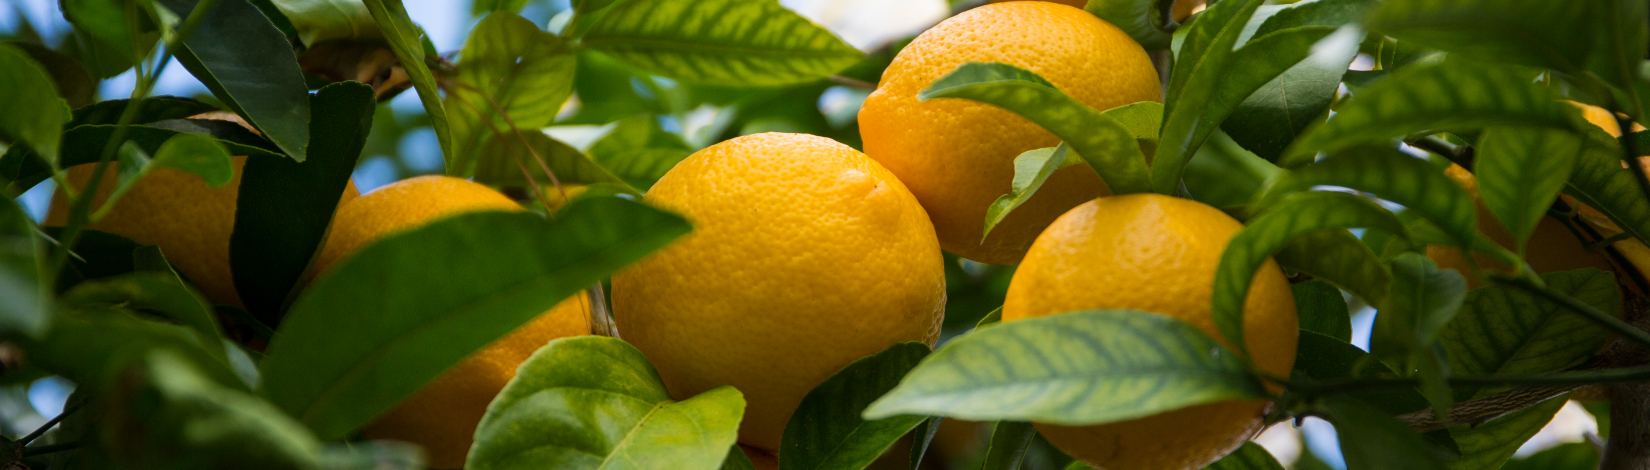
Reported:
(74, 84)
(37, 114)
(84, 144)
(1321, 309)
(1007, 447)
(1536, 33)
(1505, 330)
(1322, 358)
(1423, 301)
(1572, 456)
(922, 437)
(826, 431)
(1141, 19)
(1520, 170)
(1342, 259)
(1370, 440)
(1250, 456)
(155, 108)
(247, 62)
(404, 38)
(25, 301)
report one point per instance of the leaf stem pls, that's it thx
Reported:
(1459, 154)
(1597, 316)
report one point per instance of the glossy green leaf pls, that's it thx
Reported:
(247, 62)
(1031, 169)
(1223, 81)
(1342, 259)
(1520, 170)
(1273, 114)
(1450, 95)
(826, 431)
(37, 114)
(403, 37)
(1572, 456)
(284, 206)
(1266, 234)
(502, 160)
(562, 413)
(1007, 447)
(25, 302)
(1600, 181)
(385, 321)
(323, 20)
(1536, 33)
(1371, 440)
(1487, 446)
(1393, 176)
(1207, 43)
(512, 77)
(161, 294)
(1141, 19)
(155, 108)
(639, 151)
(1077, 368)
(84, 144)
(202, 156)
(117, 33)
(921, 438)
(732, 42)
(1314, 13)
(72, 81)
(1320, 358)
(1144, 119)
(1101, 140)
(993, 317)
(1321, 309)
(1423, 301)
(1250, 456)
(1223, 174)
(177, 417)
(1505, 330)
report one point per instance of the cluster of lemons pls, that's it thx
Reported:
(807, 254)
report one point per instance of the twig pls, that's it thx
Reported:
(852, 82)
(1478, 411)
(67, 410)
(48, 449)
(1459, 154)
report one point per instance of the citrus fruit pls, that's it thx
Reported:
(443, 415)
(805, 255)
(175, 210)
(1154, 253)
(1551, 247)
(1182, 8)
(957, 156)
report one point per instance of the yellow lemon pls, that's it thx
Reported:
(1182, 8)
(805, 255)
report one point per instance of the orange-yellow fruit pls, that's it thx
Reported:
(1182, 8)
(1551, 247)
(443, 415)
(1155, 253)
(805, 255)
(175, 210)
(957, 156)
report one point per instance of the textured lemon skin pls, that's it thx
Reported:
(1182, 8)
(1155, 253)
(442, 416)
(175, 210)
(805, 255)
(957, 156)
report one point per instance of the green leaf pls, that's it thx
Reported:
(560, 412)
(1572, 456)
(1621, 35)
(1600, 181)
(1393, 176)
(201, 156)
(247, 62)
(1273, 114)
(1250, 456)
(89, 345)
(1487, 446)
(117, 33)
(171, 415)
(1222, 81)
(1342, 259)
(1505, 330)
(737, 460)
(512, 77)
(72, 81)
(995, 316)
(1370, 440)
(1112, 365)
(499, 160)
(1536, 33)
(480, 7)
(155, 108)
(921, 438)
(1450, 95)
(26, 306)
(96, 255)
(1335, 13)
(1321, 309)
(1007, 448)
(1141, 19)
(1423, 301)
(1101, 140)
(1207, 43)
(1031, 169)
(1225, 175)
(1520, 170)
(394, 316)
(37, 114)
(322, 20)
(155, 293)
(1265, 235)
(826, 431)
(404, 38)
(284, 206)
(639, 151)
(1321, 358)
(84, 144)
(732, 42)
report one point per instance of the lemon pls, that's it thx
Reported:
(1155, 253)
(805, 255)
(957, 156)
(443, 415)
(1181, 10)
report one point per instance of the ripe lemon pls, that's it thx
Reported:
(1182, 8)
(443, 415)
(1155, 253)
(805, 255)
(957, 156)
(175, 210)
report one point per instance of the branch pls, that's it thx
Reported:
(1476, 412)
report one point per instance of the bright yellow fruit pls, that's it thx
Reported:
(957, 156)
(175, 210)
(1182, 8)
(1155, 253)
(443, 415)
(805, 255)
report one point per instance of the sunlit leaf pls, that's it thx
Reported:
(1031, 169)
(1520, 171)
(1207, 45)
(826, 431)
(501, 157)
(639, 151)
(84, 144)
(512, 77)
(247, 62)
(1394, 176)
(734, 42)
(324, 20)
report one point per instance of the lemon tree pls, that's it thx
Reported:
(667, 234)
